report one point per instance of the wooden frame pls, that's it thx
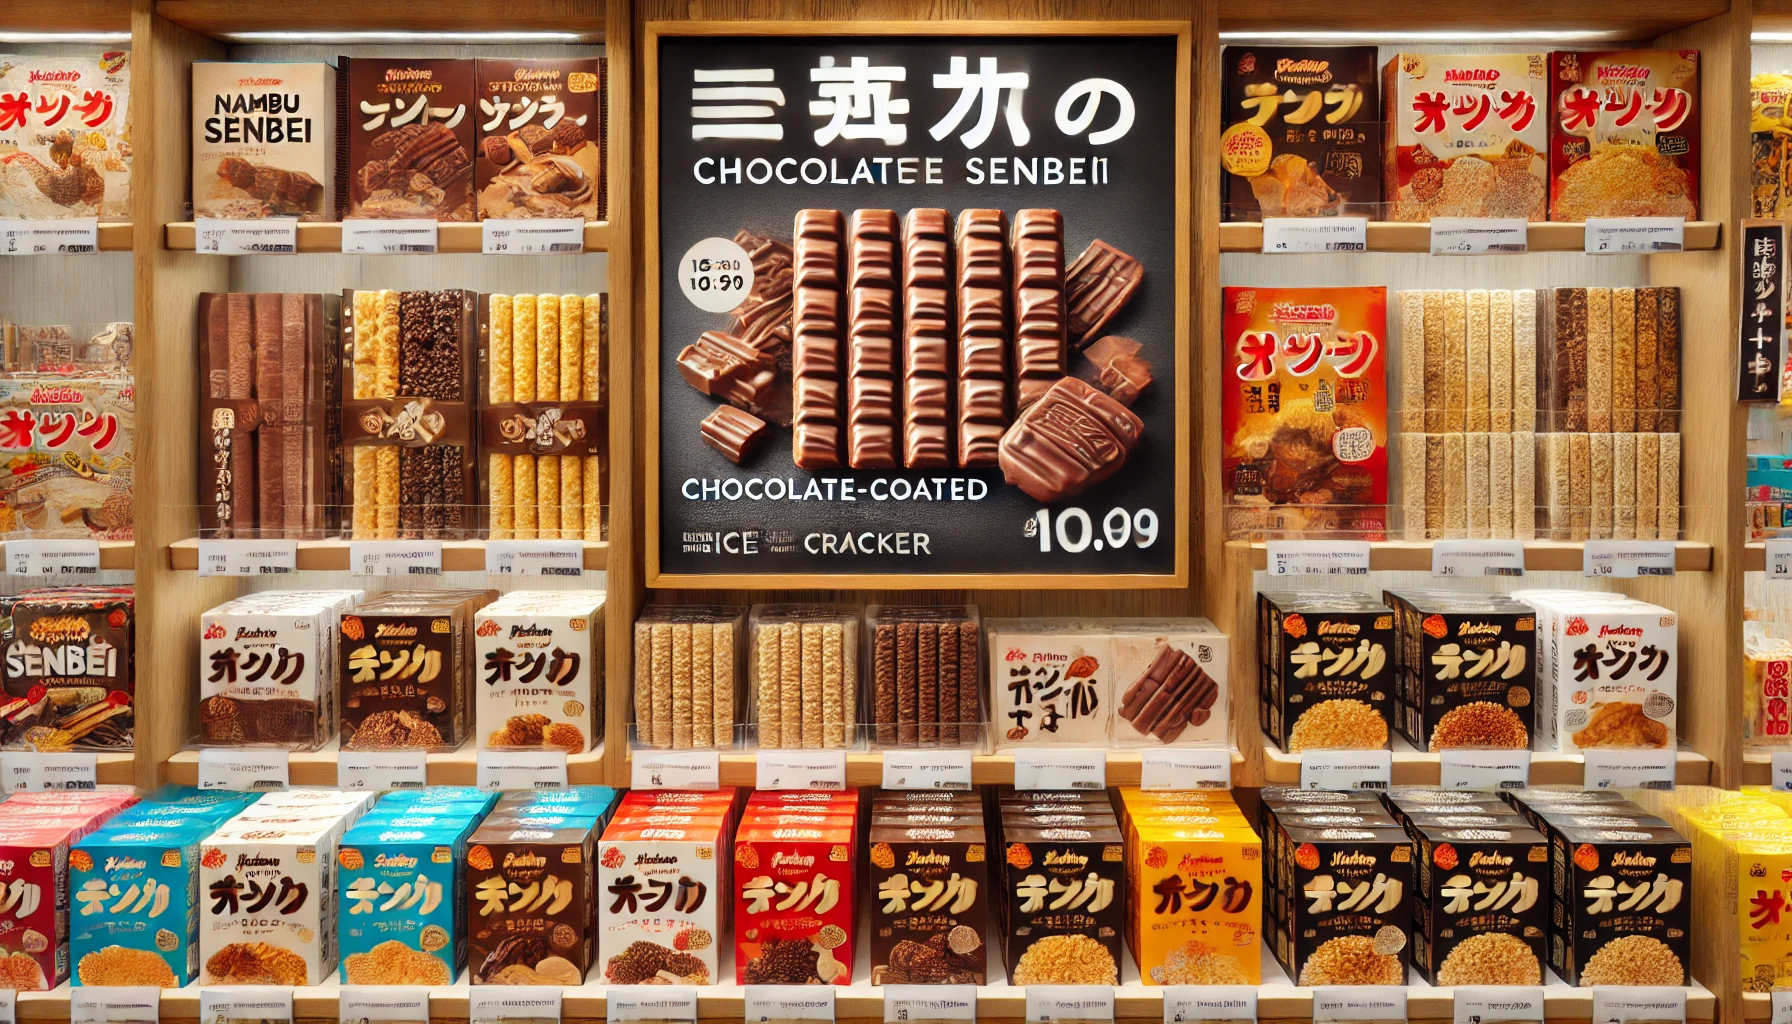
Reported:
(655, 30)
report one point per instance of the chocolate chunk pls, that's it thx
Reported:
(815, 339)
(1038, 303)
(926, 340)
(1071, 439)
(1119, 369)
(983, 372)
(1097, 286)
(734, 433)
(871, 341)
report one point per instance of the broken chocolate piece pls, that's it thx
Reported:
(1119, 369)
(1096, 287)
(1072, 438)
(734, 433)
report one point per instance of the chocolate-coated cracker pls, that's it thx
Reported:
(927, 340)
(981, 251)
(1071, 439)
(815, 339)
(1096, 287)
(1039, 331)
(907, 684)
(871, 359)
(927, 671)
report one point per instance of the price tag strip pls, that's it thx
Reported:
(364, 237)
(1193, 1004)
(526, 1004)
(1630, 236)
(1470, 558)
(77, 235)
(521, 769)
(1359, 1003)
(764, 1004)
(929, 1004)
(801, 769)
(1781, 769)
(1637, 1004)
(1049, 1004)
(9, 1006)
(1629, 769)
(545, 236)
(1782, 1006)
(248, 557)
(1342, 770)
(380, 770)
(534, 557)
(77, 560)
(1318, 557)
(27, 771)
(395, 557)
(1060, 769)
(107, 1004)
(716, 274)
(1484, 769)
(650, 1004)
(1779, 559)
(248, 770)
(1315, 234)
(383, 1004)
(928, 769)
(1185, 768)
(221, 237)
(1514, 1004)
(1627, 559)
(675, 769)
(1479, 236)
(266, 1004)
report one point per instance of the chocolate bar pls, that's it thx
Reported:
(983, 372)
(1173, 694)
(1038, 303)
(1096, 287)
(734, 433)
(871, 340)
(1072, 438)
(926, 340)
(815, 334)
(727, 367)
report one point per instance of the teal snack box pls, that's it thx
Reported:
(401, 912)
(134, 908)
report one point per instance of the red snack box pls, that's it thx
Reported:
(1623, 134)
(793, 905)
(34, 877)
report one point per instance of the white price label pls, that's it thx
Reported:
(766, 1003)
(1479, 236)
(1341, 770)
(1060, 769)
(716, 274)
(1050, 1004)
(380, 770)
(248, 770)
(1359, 1002)
(675, 769)
(365, 237)
(1630, 236)
(929, 1004)
(384, 1004)
(1514, 1004)
(650, 1004)
(1779, 559)
(521, 769)
(524, 1004)
(77, 560)
(1470, 558)
(395, 557)
(1192, 1004)
(49, 237)
(1782, 770)
(1782, 1006)
(248, 557)
(265, 1004)
(546, 236)
(9, 1006)
(927, 769)
(1185, 768)
(246, 237)
(1624, 1004)
(1627, 559)
(105, 1004)
(1629, 769)
(1318, 557)
(33, 772)
(801, 769)
(534, 557)
(1484, 769)
(1315, 234)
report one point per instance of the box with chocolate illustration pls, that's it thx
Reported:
(665, 893)
(926, 676)
(66, 131)
(1169, 682)
(409, 430)
(1063, 900)
(1466, 666)
(1479, 906)
(1343, 901)
(541, 138)
(1303, 135)
(1607, 671)
(1467, 135)
(69, 670)
(540, 656)
(1326, 668)
(35, 839)
(263, 140)
(794, 898)
(929, 893)
(531, 903)
(268, 668)
(68, 455)
(1304, 412)
(803, 675)
(411, 129)
(1051, 681)
(1624, 134)
(407, 660)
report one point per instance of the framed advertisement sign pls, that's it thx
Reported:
(918, 304)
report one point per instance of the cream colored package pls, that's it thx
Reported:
(540, 654)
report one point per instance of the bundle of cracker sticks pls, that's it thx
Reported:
(803, 675)
(1547, 413)
(688, 676)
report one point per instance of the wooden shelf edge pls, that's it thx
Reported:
(1420, 768)
(327, 237)
(865, 768)
(1389, 236)
(1539, 555)
(221, 19)
(450, 768)
(332, 555)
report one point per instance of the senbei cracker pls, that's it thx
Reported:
(1624, 491)
(1524, 485)
(1524, 359)
(1455, 360)
(1412, 484)
(1412, 362)
(1600, 524)
(1435, 360)
(1599, 359)
(1648, 467)
(816, 667)
(1455, 486)
(1466, 134)
(1500, 386)
(706, 717)
(1623, 359)
(1499, 470)
(1478, 486)
(1667, 487)
(1476, 352)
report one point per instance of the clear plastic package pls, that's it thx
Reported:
(803, 675)
(924, 676)
(688, 684)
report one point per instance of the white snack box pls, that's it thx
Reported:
(270, 625)
(1034, 699)
(678, 855)
(1136, 643)
(1596, 653)
(276, 122)
(521, 641)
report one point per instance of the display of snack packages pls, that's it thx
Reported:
(66, 136)
(543, 431)
(1766, 675)
(540, 654)
(1466, 135)
(803, 675)
(1063, 896)
(1304, 412)
(268, 665)
(531, 887)
(808, 940)
(690, 677)
(665, 881)
(407, 659)
(411, 127)
(278, 854)
(1607, 671)
(69, 670)
(409, 429)
(926, 676)
(541, 137)
(1194, 887)
(264, 140)
(1624, 134)
(82, 350)
(402, 897)
(37, 831)
(150, 851)
(1303, 135)
(270, 440)
(1326, 670)
(1770, 126)
(1465, 667)
(929, 890)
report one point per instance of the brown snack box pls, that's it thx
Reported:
(411, 135)
(929, 893)
(406, 669)
(70, 669)
(1302, 138)
(512, 940)
(1475, 943)
(541, 138)
(1079, 942)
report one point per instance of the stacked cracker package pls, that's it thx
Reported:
(407, 661)
(1608, 671)
(543, 427)
(1194, 888)
(67, 136)
(68, 461)
(540, 656)
(803, 675)
(36, 833)
(666, 868)
(925, 676)
(689, 676)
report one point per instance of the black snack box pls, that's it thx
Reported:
(1343, 903)
(1325, 670)
(1479, 908)
(1036, 857)
(1302, 136)
(1603, 932)
(1465, 669)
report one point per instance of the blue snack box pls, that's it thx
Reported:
(401, 899)
(135, 888)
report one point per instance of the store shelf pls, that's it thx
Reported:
(1757, 768)
(453, 768)
(1539, 555)
(327, 555)
(450, 238)
(1420, 768)
(115, 556)
(1754, 557)
(66, 16)
(559, 21)
(1388, 236)
(867, 768)
(1588, 20)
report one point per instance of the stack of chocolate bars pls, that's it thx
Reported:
(926, 683)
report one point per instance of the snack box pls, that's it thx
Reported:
(531, 903)
(1459, 935)
(1465, 669)
(1466, 135)
(402, 909)
(1080, 941)
(539, 659)
(263, 139)
(69, 144)
(1607, 671)
(1343, 903)
(1605, 938)
(35, 844)
(268, 668)
(1195, 893)
(1169, 682)
(1624, 134)
(929, 893)
(411, 137)
(1051, 682)
(665, 891)
(1325, 670)
(811, 940)
(1302, 135)
(70, 669)
(406, 666)
(541, 137)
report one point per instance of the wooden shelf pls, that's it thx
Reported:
(1637, 20)
(1420, 768)
(1539, 555)
(1757, 768)
(1754, 557)
(66, 16)
(328, 555)
(327, 237)
(866, 768)
(1388, 236)
(453, 768)
(580, 20)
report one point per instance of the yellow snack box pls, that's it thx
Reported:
(1195, 902)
